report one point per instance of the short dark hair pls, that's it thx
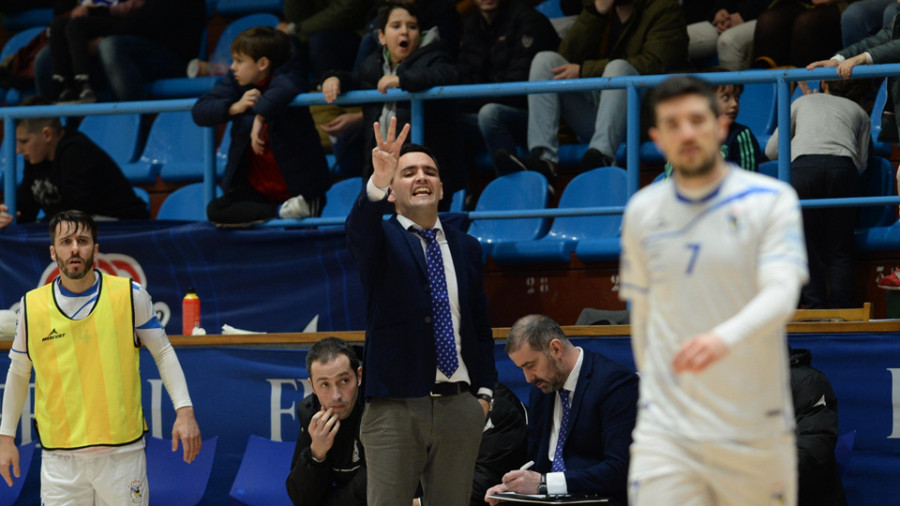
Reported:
(384, 12)
(418, 148)
(34, 125)
(679, 86)
(737, 87)
(327, 350)
(851, 89)
(263, 41)
(76, 218)
(537, 330)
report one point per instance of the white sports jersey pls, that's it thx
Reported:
(696, 266)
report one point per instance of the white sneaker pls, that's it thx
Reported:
(294, 208)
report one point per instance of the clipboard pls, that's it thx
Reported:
(548, 499)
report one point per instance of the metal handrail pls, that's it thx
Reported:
(633, 84)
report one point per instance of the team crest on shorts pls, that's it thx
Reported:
(136, 491)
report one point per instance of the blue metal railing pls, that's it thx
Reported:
(633, 85)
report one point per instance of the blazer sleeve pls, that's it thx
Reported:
(212, 108)
(487, 368)
(365, 235)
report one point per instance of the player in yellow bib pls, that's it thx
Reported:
(82, 334)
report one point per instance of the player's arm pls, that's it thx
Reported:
(781, 272)
(152, 335)
(14, 394)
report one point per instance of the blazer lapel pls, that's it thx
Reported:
(414, 244)
(584, 379)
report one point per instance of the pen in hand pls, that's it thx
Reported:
(527, 465)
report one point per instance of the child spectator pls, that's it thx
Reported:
(830, 136)
(412, 61)
(276, 166)
(740, 147)
(64, 169)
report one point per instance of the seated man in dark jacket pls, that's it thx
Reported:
(64, 169)
(498, 44)
(329, 465)
(412, 61)
(276, 166)
(815, 412)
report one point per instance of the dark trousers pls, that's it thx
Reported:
(244, 205)
(829, 231)
(69, 39)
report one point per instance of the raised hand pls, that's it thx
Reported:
(387, 152)
(323, 427)
(248, 100)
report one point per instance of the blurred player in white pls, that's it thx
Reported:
(712, 263)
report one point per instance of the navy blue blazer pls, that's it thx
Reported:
(400, 359)
(600, 423)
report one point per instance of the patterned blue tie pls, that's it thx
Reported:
(558, 464)
(444, 342)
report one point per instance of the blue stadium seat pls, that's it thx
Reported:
(516, 191)
(341, 196)
(174, 481)
(550, 8)
(880, 148)
(25, 20)
(458, 204)
(843, 450)
(117, 134)
(9, 495)
(228, 8)
(264, 469)
(173, 151)
(769, 168)
(758, 110)
(194, 87)
(186, 203)
(16, 42)
(876, 181)
(20, 163)
(601, 187)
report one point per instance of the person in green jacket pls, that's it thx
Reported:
(610, 38)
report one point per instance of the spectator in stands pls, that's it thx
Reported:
(64, 170)
(328, 31)
(740, 147)
(728, 33)
(816, 415)
(411, 61)
(796, 32)
(276, 166)
(587, 453)
(440, 15)
(329, 463)
(499, 41)
(155, 39)
(610, 38)
(865, 18)
(830, 137)
(70, 35)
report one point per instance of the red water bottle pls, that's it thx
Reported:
(190, 312)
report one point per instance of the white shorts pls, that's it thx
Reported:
(86, 479)
(667, 469)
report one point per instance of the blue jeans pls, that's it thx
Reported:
(865, 17)
(597, 117)
(130, 61)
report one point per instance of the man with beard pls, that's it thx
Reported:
(581, 414)
(712, 263)
(82, 333)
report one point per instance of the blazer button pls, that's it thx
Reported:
(428, 319)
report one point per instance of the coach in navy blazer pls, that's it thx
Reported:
(420, 423)
(602, 413)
